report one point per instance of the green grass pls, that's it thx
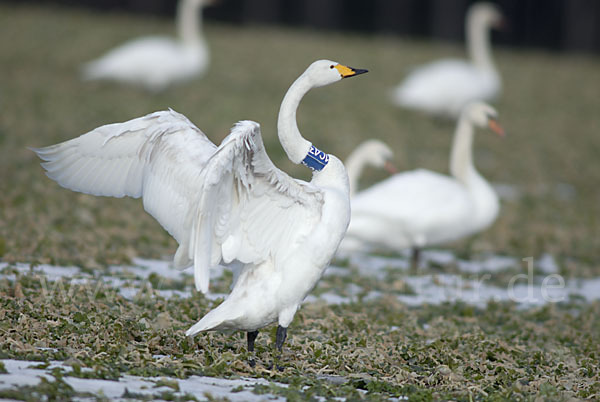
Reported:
(549, 107)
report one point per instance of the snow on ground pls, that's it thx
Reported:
(21, 373)
(529, 286)
(436, 289)
(532, 282)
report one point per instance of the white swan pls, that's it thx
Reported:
(421, 208)
(445, 87)
(156, 62)
(225, 204)
(371, 152)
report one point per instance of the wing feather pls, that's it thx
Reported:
(249, 210)
(221, 204)
(158, 157)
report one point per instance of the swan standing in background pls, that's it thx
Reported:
(422, 208)
(445, 87)
(371, 152)
(225, 204)
(156, 62)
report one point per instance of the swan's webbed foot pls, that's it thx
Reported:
(251, 336)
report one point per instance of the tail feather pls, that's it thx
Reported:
(217, 319)
(201, 326)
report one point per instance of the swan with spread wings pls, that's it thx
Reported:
(227, 203)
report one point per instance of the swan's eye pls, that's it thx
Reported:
(331, 66)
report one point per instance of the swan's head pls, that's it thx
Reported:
(483, 115)
(487, 14)
(325, 72)
(377, 154)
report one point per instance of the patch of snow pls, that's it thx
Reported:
(493, 263)
(143, 268)
(353, 289)
(45, 349)
(20, 373)
(438, 289)
(589, 289)
(328, 298)
(375, 266)
(373, 295)
(221, 388)
(440, 257)
(129, 293)
(432, 289)
(547, 264)
(332, 270)
(168, 293)
(51, 272)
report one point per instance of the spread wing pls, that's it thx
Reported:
(248, 209)
(158, 157)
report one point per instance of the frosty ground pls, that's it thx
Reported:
(443, 280)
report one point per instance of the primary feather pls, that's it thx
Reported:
(158, 157)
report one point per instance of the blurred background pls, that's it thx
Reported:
(545, 168)
(572, 25)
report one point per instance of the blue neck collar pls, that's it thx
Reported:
(315, 159)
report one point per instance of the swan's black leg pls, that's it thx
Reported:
(415, 259)
(279, 340)
(251, 336)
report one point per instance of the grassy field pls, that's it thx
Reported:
(549, 108)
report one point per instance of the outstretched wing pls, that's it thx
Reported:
(249, 210)
(159, 157)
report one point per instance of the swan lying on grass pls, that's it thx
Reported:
(225, 204)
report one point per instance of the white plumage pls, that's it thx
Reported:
(156, 62)
(371, 152)
(157, 157)
(224, 204)
(446, 86)
(422, 208)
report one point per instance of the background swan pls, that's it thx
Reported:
(446, 86)
(371, 152)
(227, 203)
(421, 208)
(156, 62)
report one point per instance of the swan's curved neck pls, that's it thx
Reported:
(355, 163)
(296, 147)
(189, 21)
(461, 156)
(478, 43)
